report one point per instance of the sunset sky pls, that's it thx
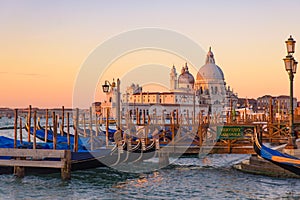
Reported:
(43, 44)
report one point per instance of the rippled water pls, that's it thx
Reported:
(210, 177)
(192, 180)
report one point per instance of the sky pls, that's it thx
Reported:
(43, 44)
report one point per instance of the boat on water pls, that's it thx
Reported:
(6, 142)
(131, 151)
(81, 159)
(110, 132)
(83, 142)
(283, 160)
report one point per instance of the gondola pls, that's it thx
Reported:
(133, 149)
(86, 132)
(148, 152)
(6, 142)
(40, 127)
(111, 132)
(112, 159)
(82, 159)
(283, 160)
(139, 153)
(145, 150)
(84, 143)
(81, 132)
(40, 132)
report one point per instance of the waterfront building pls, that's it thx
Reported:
(247, 103)
(208, 94)
(280, 105)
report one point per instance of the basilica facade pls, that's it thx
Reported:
(208, 94)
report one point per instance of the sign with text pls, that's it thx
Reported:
(233, 132)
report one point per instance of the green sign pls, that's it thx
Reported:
(232, 132)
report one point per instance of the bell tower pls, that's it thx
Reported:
(173, 79)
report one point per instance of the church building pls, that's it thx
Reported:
(208, 94)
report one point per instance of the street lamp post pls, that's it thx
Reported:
(105, 88)
(291, 67)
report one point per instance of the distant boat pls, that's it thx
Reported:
(283, 160)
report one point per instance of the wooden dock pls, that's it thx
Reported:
(37, 158)
(195, 150)
(198, 135)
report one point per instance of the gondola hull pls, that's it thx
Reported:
(283, 160)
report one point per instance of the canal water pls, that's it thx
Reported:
(205, 177)
(178, 181)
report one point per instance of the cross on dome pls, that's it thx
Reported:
(186, 67)
(210, 57)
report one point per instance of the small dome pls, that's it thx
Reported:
(186, 77)
(210, 70)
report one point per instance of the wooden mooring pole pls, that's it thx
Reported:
(15, 128)
(84, 125)
(34, 130)
(29, 122)
(144, 117)
(54, 129)
(172, 127)
(163, 159)
(97, 124)
(137, 116)
(62, 121)
(91, 129)
(46, 126)
(177, 117)
(107, 126)
(76, 131)
(68, 128)
(21, 127)
(200, 134)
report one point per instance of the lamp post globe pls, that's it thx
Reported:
(105, 87)
(288, 62)
(295, 67)
(290, 45)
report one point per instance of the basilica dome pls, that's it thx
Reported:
(210, 70)
(186, 77)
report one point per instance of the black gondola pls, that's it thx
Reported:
(283, 160)
(83, 159)
(83, 142)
